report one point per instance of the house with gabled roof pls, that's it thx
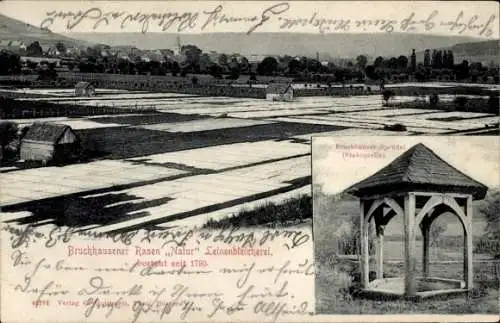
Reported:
(49, 142)
(84, 89)
(122, 55)
(279, 92)
(373, 85)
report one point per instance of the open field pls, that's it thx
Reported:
(196, 158)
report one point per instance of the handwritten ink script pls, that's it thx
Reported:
(22, 236)
(147, 276)
(277, 15)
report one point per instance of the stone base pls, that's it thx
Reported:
(431, 287)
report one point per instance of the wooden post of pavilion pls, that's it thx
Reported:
(468, 274)
(379, 246)
(425, 228)
(409, 220)
(364, 255)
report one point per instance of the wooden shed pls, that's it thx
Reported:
(50, 142)
(373, 85)
(279, 92)
(84, 89)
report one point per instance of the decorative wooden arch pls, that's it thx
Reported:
(395, 207)
(432, 209)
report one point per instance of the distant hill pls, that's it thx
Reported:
(336, 45)
(12, 29)
(483, 51)
(327, 45)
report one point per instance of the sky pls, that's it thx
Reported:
(477, 157)
(293, 16)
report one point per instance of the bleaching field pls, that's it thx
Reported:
(197, 158)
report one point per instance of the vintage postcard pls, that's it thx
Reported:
(201, 161)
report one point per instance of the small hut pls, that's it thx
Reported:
(50, 142)
(84, 89)
(279, 92)
(371, 85)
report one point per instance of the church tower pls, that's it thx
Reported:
(177, 49)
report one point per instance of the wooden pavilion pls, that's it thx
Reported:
(418, 186)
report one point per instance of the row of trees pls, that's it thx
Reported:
(10, 63)
(198, 61)
(34, 49)
(191, 60)
(10, 139)
(194, 60)
(441, 67)
(381, 68)
(229, 66)
(440, 59)
(437, 65)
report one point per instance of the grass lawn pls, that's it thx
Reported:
(148, 118)
(293, 211)
(469, 105)
(336, 279)
(333, 297)
(127, 142)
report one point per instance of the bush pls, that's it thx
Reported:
(487, 245)
(8, 132)
(461, 101)
(434, 99)
(9, 141)
(493, 104)
(387, 94)
(291, 211)
(490, 210)
(436, 231)
(349, 241)
(395, 127)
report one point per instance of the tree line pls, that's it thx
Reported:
(436, 65)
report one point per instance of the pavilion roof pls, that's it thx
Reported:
(419, 168)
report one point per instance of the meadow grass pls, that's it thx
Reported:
(336, 292)
(289, 212)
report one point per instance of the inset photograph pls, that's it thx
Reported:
(406, 224)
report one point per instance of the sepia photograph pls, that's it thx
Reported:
(169, 160)
(406, 224)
